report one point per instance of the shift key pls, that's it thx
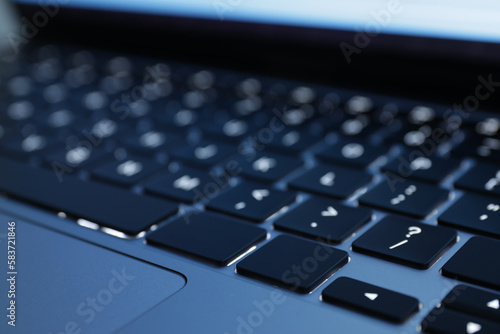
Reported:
(105, 205)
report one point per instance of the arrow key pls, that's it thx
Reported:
(447, 321)
(474, 301)
(371, 299)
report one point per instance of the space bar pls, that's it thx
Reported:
(101, 204)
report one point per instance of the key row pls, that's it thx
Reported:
(257, 201)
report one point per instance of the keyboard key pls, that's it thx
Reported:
(418, 166)
(407, 197)
(352, 152)
(188, 185)
(446, 321)
(290, 141)
(232, 129)
(477, 302)
(21, 148)
(77, 157)
(150, 142)
(209, 236)
(203, 154)
(267, 166)
(251, 201)
(370, 299)
(406, 242)
(476, 262)
(323, 220)
(126, 172)
(293, 263)
(482, 177)
(476, 213)
(101, 204)
(331, 181)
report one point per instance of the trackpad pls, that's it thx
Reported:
(64, 285)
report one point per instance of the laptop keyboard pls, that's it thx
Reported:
(209, 164)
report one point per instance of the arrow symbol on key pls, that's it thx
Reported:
(259, 194)
(371, 296)
(494, 304)
(330, 212)
(473, 328)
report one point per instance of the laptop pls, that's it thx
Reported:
(233, 166)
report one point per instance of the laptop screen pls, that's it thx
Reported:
(449, 19)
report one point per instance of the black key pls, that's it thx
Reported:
(476, 262)
(405, 241)
(204, 154)
(469, 300)
(293, 263)
(150, 142)
(370, 299)
(251, 201)
(232, 129)
(358, 127)
(482, 177)
(103, 128)
(21, 148)
(415, 165)
(126, 172)
(289, 141)
(479, 147)
(476, 213)
(188, 185)
(331, 181)
(74, 158)
(407, 197)
(446, 321)
(352, 152)
(267, 166)
(323, 220)
(102, 204)
(424, 137)
(209, 236)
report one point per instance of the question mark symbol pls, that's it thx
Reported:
(413, 230)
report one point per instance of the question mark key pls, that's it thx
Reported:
(406, 242)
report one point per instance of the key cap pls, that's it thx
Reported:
(232, 129)
(482, 177)
(77, 157)
(352, 152)
(126, 172)
(293, 263)
(203, 154)
(251, 201)
(209, 236)
(477, 302)
(476, 262)
(446, 321)
(290, 141)
(486, 148)
(418, 166)
(188, 185)
(21, 148)
(407, 197)
(150, 142)
(102, 204)
(476, 213)
(406, 242)
(323, 220)
(267, 166)
(370, 299)
(331, 181)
